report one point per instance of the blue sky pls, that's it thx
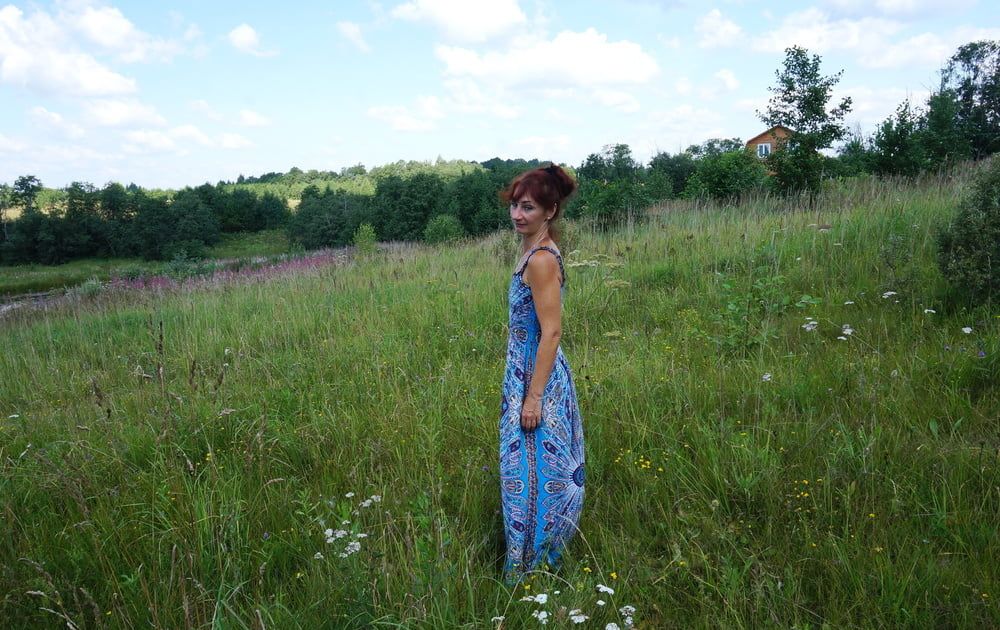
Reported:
(167, 94)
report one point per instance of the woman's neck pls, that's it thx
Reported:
(529, 243)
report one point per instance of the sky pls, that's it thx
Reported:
(170, 94)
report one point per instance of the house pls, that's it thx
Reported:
(763, 144)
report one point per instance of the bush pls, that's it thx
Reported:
(608, 203)
(364, 239)
(969, 246)
(726, 176)
(444, 228)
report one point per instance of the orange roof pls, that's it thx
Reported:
(770, 134)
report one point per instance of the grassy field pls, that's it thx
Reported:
(18, 279)
(321, 450)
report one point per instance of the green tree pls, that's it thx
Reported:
(944, 139)
(855, 155)
(6, 201)
(715, 146)
(969, 247)
(444, 228)
(799, 101)
(897, 148)
(676, 168)
(726, 176)
(25, 191)
(973, 73)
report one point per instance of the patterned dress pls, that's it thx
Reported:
(541, 471)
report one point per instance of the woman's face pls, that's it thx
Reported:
(527, 215)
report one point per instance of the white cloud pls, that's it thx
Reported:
(143, 140)
(54, 120)
(176, 139)
(683, 86)
(677, 128)
(927, 49)
(110, 29)
(814, 30)
(201, 106)
(422, 117)
(899, 7)
(717, 31)
(245, 39)
(234, 141)
(470, 21)
(870, 106)
(467, 97)
(10, 145)
(616, 99)
(250, 118)
(571, 59)
(672, 43)
(728, 79)
(35, 53)
(122, 113)
(870, 39)
(190, 132)
(540, 146)
(352, 33)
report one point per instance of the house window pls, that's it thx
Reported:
(763, 149)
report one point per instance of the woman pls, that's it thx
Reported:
(541, 436)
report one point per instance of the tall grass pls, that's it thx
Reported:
(176, 459)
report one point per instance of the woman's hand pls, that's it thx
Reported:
(531, 412)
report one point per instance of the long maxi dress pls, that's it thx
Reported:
(541, 471)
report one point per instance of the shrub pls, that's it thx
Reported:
(364, 239)
(443, 228)
(969, 246)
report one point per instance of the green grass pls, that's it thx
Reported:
(186, 480)
(18, 279)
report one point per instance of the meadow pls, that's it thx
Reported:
(789, 423)
(21, 279)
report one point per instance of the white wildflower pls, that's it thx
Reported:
(848, 302)
(541, 615)
(810, 326)
(766, 377)
(496, 619)
(349, 495)
(627, 610)
(376, 498)
(318, 556)
(842, 338)
(967, 330)
(600, 602)
(328, 533)
(888, 294)
(605, 589)
(361, 535)
(576, 616)
(612, 626)
(929, 310)
(366, 503)
(847, 330)
(13, 415)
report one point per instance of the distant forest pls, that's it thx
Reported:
(440, 200)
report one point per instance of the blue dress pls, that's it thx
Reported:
(541, 471)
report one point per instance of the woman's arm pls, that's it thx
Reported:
(542, 275)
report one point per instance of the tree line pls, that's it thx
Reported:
(447, 199)
(116, 221)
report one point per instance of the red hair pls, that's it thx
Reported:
(549, 186)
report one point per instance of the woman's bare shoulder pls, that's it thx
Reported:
(543, 264)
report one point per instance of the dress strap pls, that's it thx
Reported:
(562, 271)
